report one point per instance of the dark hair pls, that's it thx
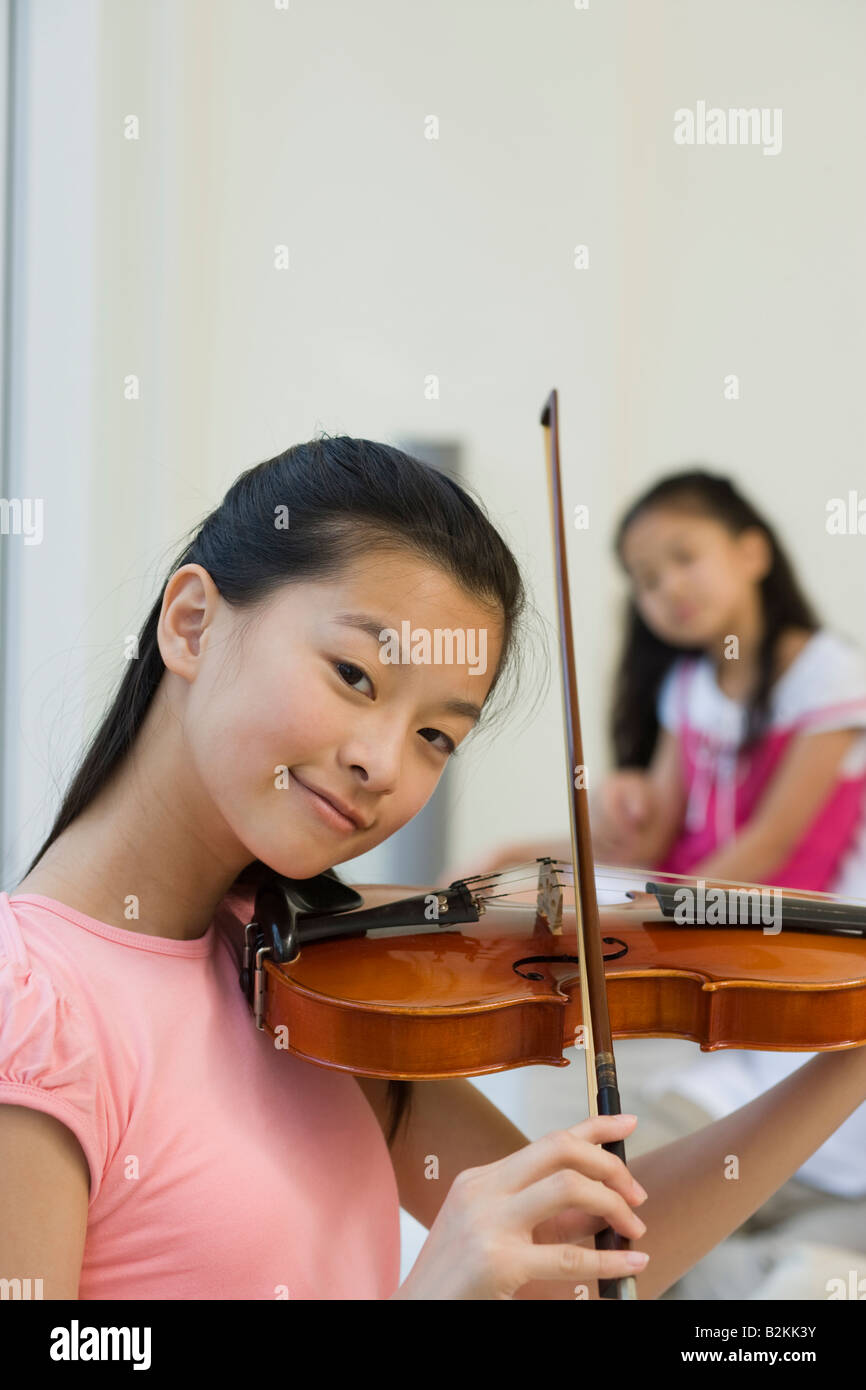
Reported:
(646, 658)
(343, 497)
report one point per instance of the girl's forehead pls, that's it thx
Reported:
(399, 587)
(400, 606)
(662, 525)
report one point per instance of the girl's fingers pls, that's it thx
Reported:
(628, 798)
(570, 1225)
(578, 1149)
(637, 808)
(578, 1263)
(564, 1190)
(603, 1129)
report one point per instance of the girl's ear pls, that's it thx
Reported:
(189, 604)
(756, 552)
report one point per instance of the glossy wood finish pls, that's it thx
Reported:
(431, 1005)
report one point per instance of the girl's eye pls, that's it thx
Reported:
(350, 674)
(450, 747)
(354, 673)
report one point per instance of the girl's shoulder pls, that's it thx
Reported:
(790, 645)
(87, 1009)
(49, 1055)
(29, 950)
(823, 685)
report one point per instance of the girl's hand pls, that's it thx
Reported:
(625, 802)
(623, 823)
(513, 1221)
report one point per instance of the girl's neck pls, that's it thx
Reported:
(130, 859)
(736, 655)
(734, 652)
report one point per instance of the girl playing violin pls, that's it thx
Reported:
(154, 1143)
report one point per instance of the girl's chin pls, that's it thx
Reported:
(297, 865)
(694, 634)
(308, 870)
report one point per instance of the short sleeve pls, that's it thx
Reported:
(825, 689)
(48, 1061)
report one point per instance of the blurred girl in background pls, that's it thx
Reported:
(739, 731)
(738, 721)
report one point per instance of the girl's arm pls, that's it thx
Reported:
(449, 1121)
(805, 777)
(701, 1188)
(43, 1201)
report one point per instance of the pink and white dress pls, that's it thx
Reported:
(823, 689)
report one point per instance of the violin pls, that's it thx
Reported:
(477, 979)
(460, 982)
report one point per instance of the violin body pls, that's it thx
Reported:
(467, 1000)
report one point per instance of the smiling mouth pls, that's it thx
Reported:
(331, 814)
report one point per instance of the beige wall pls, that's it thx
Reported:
(408, 257)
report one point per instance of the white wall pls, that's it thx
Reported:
(50, 616)
(408, 257)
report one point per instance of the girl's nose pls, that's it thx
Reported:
(672, 588)
(375, 766)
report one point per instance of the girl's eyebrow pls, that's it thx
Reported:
(363, 622)
(373, 626)
(459, 707)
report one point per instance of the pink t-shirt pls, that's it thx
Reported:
(221, 1168)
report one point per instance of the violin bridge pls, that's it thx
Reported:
(549, 900)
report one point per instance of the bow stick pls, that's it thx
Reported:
(602, 1088)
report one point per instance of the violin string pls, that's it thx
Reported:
(492, 897)
(514, 887)
(499, 883)
(829, 929)
(529, 864)
(627, 880)
(607, 875)
(512, 874)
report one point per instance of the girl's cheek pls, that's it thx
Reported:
(648, 607)
(293, 720)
